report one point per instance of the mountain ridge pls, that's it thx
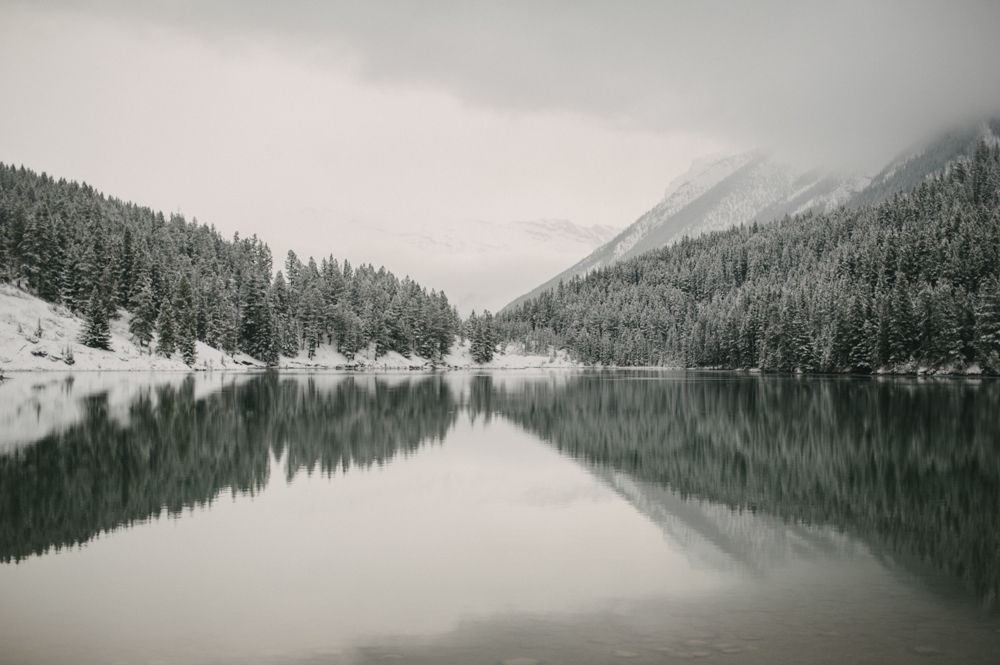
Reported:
(754, 187)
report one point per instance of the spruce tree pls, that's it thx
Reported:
(97, 329)
(125, 269)
(166, 341)
(313, 317)
(258, 329)
(185, 321)
(144, 316)
(483, 341)
(901, 323)
(988, 326)
(228, 336)
(34, 251)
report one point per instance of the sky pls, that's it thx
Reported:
(415, 134)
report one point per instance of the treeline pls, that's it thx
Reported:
(909, 283)
(69, 244)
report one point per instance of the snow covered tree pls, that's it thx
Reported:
(228, 336)
(97, 329)
(185, 321)
(988, 326)
(144, 315)
(125, 265)
(483, 340)
(258, 329)
(166, 339)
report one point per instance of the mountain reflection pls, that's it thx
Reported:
(910, 467)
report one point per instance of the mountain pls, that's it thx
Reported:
(914, 166)
(713, 195)
(735, 189)
(906, 285)
(480, 264)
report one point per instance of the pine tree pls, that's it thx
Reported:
(34, 251)
(258, 329)
(186, 322)
(70, 281)
(97, 329)
(313, 318)
(228, 331)
(166, 342)
(901, 322)
(125, 269)
(988, 326)
(144, 316)
(483, 340)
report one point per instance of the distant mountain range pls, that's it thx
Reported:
(733, 189)
(480, 264)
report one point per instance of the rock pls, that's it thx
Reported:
(927, 651)
(621, 653)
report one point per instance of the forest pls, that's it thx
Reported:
(96, 255)
(906, 285)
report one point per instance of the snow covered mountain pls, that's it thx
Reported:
(909, 169)
(479, 264)
(734, 189)
(716, 194)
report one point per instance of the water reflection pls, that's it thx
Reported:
(910, 467)
(176, 450)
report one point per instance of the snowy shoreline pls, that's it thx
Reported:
(38, 336)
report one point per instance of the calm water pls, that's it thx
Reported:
(552, 518)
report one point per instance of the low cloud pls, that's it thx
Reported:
(846, 83)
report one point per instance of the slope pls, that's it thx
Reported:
(714, 195)
(739, 189)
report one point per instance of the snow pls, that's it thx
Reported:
(21, 314)
(21, 349)
(682, 190)
(512, 356)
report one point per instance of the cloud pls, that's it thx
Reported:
(849, 82)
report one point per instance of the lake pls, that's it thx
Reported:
(519, 518)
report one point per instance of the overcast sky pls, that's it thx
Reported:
(308, 122)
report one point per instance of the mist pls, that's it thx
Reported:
(845, 84)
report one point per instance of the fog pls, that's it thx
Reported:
(306, 121)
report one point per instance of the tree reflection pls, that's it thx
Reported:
(911, 467)
(178, 451)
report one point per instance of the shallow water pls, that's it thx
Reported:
(566, 517)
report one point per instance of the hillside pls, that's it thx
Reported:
(910, 284)
(182, 287)
(727, 191)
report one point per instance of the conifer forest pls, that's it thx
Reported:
(183, 281)
(906, 284)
